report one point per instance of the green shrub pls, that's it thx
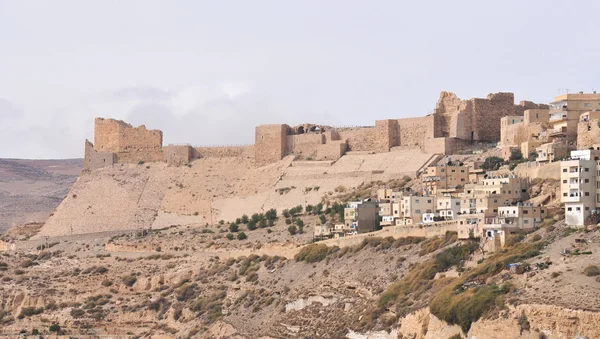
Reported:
(591, 271)
(536, 237)
(492, 163)
(262, 224)
(233, 227)
(242, 236)
(251, 225)
(230, 236)
(77, 313)
(292, 229)
(244, 219)
(54, 328)
(129, 280)
(315, 253)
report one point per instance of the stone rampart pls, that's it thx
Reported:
(414, 131)
(94, 160)
(246, 151)
(177, 155)
(270, 143)
(118, 136)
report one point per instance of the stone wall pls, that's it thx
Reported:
(246, 151)
(360, 138)
(177, 155)
(270, 143)
(118, 136)
(414, 131)
(94, 160)
(477, 119)
(588, 134)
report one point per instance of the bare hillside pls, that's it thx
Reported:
(31, 189)
(154, 195)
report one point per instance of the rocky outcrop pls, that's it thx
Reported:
(547, 320)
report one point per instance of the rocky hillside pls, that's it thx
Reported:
(210, 282)
(31, 189)
(133, 196)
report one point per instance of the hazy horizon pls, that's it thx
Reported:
(206, 73)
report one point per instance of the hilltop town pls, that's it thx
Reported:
(480, 216)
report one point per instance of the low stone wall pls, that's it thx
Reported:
(246, 151)
(138, 156)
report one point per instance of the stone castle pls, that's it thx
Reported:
(455, 125)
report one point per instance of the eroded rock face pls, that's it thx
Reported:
(551, 321)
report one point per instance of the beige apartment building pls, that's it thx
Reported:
(444, 178)
(413, 208)
(580, 192)
(565, 112)
(552, 151)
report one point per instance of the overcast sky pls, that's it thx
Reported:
(207, 72)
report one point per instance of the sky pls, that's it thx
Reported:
(207, 72)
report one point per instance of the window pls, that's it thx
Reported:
(587, 104)
(587, 208)
(417, 211)
(525, 212)
(526, 221)
(587, 194)
(462, 179)
(578, 208)
(565, 170)
(586, 180)
(587, 169)
(564, 181)
(453, 171)
(569, 209)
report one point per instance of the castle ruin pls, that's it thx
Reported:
(455, 124)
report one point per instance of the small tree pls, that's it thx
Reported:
(492, 163)
(255, 218)
(271, 214)
(262, 224)
(299, 222)
(318, 209)
(244, 219)
(233, 227)
(238, 221)
(323, 219)
(309, 208)
(54, 328)
(533, 156)
(292, 229)
(230, 236)
(515, 154)
(286, 213)
(242, 236)
(251, 225)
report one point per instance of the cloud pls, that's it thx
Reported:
(8, 110)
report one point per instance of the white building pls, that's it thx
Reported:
(579, 191)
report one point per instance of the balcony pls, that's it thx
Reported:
(574, 185)
(561, 116)
(575, 198)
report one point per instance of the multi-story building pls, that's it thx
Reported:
(444, 177)
(579, 185)
(552, 151)
(413, 208)
(362, 217)
(525, 217)
(387, 194)
(565, 113)
(447, 207)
